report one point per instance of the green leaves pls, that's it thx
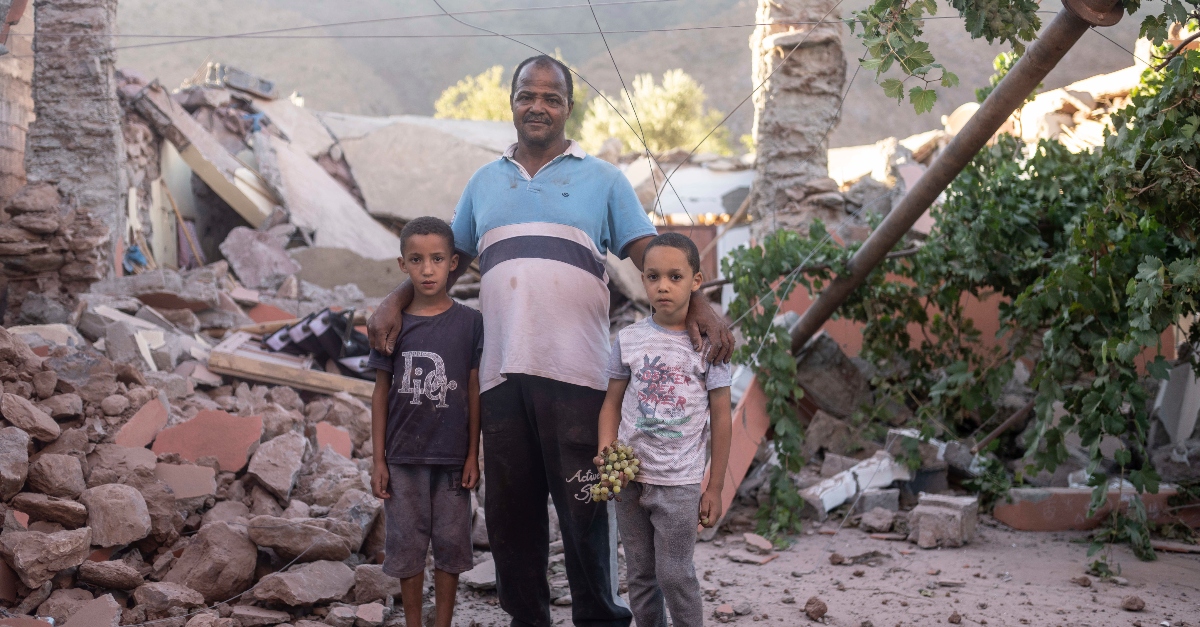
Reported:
(922, 99)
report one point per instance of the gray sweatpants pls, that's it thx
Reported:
(658, 529)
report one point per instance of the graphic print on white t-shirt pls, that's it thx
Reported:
(435, 384)
(661, 408)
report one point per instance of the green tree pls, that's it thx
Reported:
(485, 96)
(671, 113)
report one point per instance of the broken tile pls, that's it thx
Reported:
(333, 436)
(212, 433)
(140, 430)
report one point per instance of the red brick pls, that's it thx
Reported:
(334, 436)
(140, 430)
(22, 518)
(1066, 509)
(214, 433)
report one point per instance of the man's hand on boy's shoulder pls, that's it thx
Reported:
(379, 479)
(704, 323)
(470, 474)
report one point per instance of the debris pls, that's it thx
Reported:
(878, 520)
(1082, 580)
(1133, 603)
(306, 584)
(337, 438)
(238, 357)
(890, 537)
(878, 471)
(140, 430)
(57, 475)
(113, 575)
(1065, 509)
(1174, 547)
(886, 498)
(306, 539)
(757, 543)
(481, 577)
(943, 521)
(950, 583)
(103, 611)
(212, 433)
(117, 514)
(24, 415)
(188, 481)
(65, 512)
(14, 461)
(826, 434)
(63, 603)
(37, 557)
(251, 616)
(724, 613)
(218, 563)
(954, 619)
(744, 557)
(372, 584)
(815, 608)
(277, 462)
(830, 379)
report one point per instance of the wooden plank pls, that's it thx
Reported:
(234, 357)
(1174, 547)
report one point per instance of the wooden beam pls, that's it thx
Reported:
(237, 356)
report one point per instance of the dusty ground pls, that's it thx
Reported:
(1009, 578)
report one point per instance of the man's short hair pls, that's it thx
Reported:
(427, 225)
(543, 60)
(680, 242)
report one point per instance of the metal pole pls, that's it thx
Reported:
(1067, 27)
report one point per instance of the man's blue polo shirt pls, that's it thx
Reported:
(541, 243)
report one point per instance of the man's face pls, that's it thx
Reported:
(539, 106)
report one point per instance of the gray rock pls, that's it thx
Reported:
(277, 463)
(24, 415)
(830, 379)
(306, 584)
(329, 477)
(878, 520)
(117, 514)
(63, 604)
(57, 475)
(37, 557)
(112, 463)
(306, 539)
(219, 563)
(372, 584)
(943, 521)
(482, 577)
(114, 405)
(227, 511)
(886, 498)
(14, 461)
(114, 575)
(64, 406)
(159, 597)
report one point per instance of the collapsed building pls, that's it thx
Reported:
(162, 462)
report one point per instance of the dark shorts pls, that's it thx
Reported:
(428, 504)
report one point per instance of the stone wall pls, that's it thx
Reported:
(16, 104)
(60, 231)
(794, 111)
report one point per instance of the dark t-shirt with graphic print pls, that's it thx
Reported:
(427, 403)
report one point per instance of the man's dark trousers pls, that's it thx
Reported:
(539, 438)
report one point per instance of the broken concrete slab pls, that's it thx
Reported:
(306, 584)
(161, 289)
(219, 563)
(37, 557)
(481, 577)
(943, 521)
(303, 129)
(826, 434)
(318, 203)
(330, 267)
(212, 433)
(117, 514)
(258, 258)
(878, 471)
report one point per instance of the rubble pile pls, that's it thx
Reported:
(130, 494)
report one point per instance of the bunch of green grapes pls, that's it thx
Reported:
(617, 467)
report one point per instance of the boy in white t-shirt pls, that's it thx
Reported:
(662, 396)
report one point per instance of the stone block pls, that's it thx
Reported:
(213, 433)
(372, 584)
(877, 520)
(833, 463)
(306, 584)
(482, 577)
(219, 563)
(63, 405)
(830, 379)
(14, 461)
(65, 512)
(37, 557)
(943, 521)
(26, 416)
(826, 433)
(57, 475)
(257, 257)
(305, 539)
(886, 498)
(277, 463)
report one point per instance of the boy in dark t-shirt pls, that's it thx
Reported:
(425, 426)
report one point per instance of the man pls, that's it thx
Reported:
(541, 219)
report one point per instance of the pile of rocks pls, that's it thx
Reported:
(127, 498)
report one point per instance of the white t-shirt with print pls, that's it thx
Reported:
(665, 412)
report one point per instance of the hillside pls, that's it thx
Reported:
(402, 65)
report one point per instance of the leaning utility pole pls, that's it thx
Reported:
(1075, 18)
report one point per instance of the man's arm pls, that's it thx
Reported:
(701, 320)
(383, 327)
(722, 433)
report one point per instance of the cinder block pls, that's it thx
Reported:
(945, 521)
(887, 498)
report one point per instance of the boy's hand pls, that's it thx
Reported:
(470, 474)
(379, 480)
(710, 507)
